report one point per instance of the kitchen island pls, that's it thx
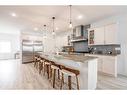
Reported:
(87, 66)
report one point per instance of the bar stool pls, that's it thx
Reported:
(35, 60)
(47, 67)
(70, 73)
(38, 62)
(54, 68)
(41, 65)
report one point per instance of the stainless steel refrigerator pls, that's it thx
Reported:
(29, 49)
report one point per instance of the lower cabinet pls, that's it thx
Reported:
(110, 65)
(100, 61)
(106, 64)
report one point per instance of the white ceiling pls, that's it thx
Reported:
(29, 17)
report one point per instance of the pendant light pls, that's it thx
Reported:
(53, 32)
(45, 36)
(70, 23)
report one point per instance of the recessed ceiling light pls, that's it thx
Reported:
(80, 17)
(13, 14)
(35, 29)
(57, 28)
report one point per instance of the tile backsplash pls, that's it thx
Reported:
(106, 49)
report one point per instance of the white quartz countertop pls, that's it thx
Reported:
(72, 61)
(79, 58)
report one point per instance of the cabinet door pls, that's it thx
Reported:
(111, 34)
(100, 63)
(91, 37)
(99, 36)
(109, 65)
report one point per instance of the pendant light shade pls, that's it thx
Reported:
(70, 23)
(53, 32)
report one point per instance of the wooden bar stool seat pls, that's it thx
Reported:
(54, 67)
(47, 63)
(66, 72)
(70, 73)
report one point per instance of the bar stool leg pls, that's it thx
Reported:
(37, 65)
(44, 68)
(77, 82)
(48, 71)
(69, 82)
(58, 74)
(40, 68)
(54, 75)
(62, 80)
(34, 63)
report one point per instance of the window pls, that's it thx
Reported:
(5, 47)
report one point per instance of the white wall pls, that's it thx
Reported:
(50, 43)
(10, 33)
(121, 20)
(31, 36)
(62, 40)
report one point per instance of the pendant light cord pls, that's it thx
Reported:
(70, 13)
(45, 30)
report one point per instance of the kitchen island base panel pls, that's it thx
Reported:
(88, 75)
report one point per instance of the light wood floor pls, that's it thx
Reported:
(14, 75)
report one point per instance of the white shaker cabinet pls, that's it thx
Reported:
(100, 63)
(104, 35)
(106, 64)
(99, 36)
(111, 34)
(110, 65)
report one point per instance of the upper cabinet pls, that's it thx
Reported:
(103, 35)
(111, 34)
(99, 36)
